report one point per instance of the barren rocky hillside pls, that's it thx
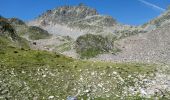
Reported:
(149, 47)
(152, 46)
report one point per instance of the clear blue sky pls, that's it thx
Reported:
(132, 12)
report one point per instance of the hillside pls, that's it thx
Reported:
(151, 46)
(9, 36)
(29, 74)
(30, 32)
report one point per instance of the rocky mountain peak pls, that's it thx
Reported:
(79, 19)
(80, 11)
(65, 14)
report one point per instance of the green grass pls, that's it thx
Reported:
(64, 47)
(89, 53)
(28, 74)
(4, 40)
(91, 45)
(19, 42)
(36, 33)
(16, 57)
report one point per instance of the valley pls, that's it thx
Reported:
(74, 51)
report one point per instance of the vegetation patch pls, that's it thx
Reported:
(90, 45)
(8, 35)
(64, 47)
(36, 33)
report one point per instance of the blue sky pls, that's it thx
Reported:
(134, 12)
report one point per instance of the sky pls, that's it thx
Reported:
(133, 12)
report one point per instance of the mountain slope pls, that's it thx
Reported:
(158, 21)
(148, 47)
(31, 32)
(28, 74)
(9, 36)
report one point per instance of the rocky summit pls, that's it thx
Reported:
(66, 14)
(74, 21)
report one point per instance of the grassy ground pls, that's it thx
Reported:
(36, 33)
(64, 47)
(27, 74)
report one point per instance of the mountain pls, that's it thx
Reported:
(78, 22)
(75, 21)
(67, 15)
(63, 20)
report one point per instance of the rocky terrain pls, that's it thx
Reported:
(76, 22)
(145, 43)
(152, 46)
